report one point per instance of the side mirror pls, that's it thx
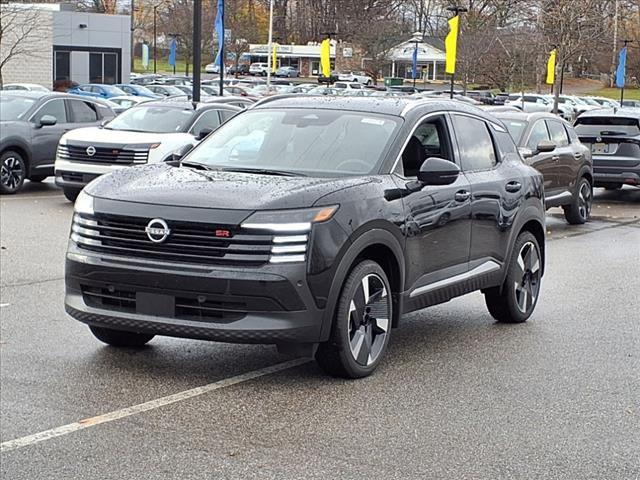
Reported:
(436, 171)
(545, 146)
(177, 156)
(47, 121)
(104, 122)
(203, 133)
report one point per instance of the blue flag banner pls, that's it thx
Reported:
(172, 52)
(622, 65)
(414, 67)
(220, 33)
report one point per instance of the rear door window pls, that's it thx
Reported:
(210, 119)
(476, 145)
(83, 112)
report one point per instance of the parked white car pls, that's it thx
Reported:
(25, 87)
(151, 132)
(348, 85)
(532, 103)
(359, 77)
(258, 68)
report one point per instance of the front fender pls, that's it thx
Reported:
(363, 238)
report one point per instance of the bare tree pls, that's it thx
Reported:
(19, 34)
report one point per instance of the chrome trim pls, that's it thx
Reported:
(486, 267)
(287, 259)
(289, 249)
(291, 239)
(86, 241)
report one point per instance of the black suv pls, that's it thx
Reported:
(551, 146)
(312, 225)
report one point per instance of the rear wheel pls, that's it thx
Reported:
(119, 338)
(362, 324)
(579, 210)
(71, 193)
(13, 171)
(517, 299)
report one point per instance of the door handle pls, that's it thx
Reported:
(555, 158)
(577, 156)
(513, 187)
(462, 196)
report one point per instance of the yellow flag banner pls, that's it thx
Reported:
(551, 68)
(325, 57)
(274, 60)
(451, 45)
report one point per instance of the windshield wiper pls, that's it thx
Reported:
(263, 171)
(196, 165)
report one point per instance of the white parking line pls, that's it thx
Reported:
(31, 197)
(146, 406)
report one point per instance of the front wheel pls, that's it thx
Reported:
(361, 326)
(119, 338)
(12, 172)
(71, 194)
(517, 299)
(578, 211)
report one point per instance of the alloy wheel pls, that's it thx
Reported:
(11, 173)
(527, 284)
(585, 199)
(368, 320)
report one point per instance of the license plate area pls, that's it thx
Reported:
(604, 148)
(155, 304)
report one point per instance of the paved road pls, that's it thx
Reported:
(457, 397)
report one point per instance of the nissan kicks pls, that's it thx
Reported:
(313, 225)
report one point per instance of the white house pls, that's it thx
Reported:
(431, 59)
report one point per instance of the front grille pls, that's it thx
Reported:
(111, 155)
(186, 242)
(109, 298)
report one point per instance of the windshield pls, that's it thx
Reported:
(152, 119)
(171, 90)
(323, 143)
(14, 108)
(516, 128)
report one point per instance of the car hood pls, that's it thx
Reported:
(186, 187)
(96, 136)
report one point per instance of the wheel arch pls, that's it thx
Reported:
(21, 150)
(380, 246)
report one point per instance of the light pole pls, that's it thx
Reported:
(197, 49)
(416, 40)
(269, 46)
(457, 10)
(155, 39)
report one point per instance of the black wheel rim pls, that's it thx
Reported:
(11, 173)
(369, 324)
(584, 200)
(527, 283)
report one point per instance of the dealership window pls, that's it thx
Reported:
(62, 66)
(103, 67)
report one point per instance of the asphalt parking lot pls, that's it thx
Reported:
(458, 396)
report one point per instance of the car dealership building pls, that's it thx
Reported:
(66, 45)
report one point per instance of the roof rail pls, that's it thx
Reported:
(264, 100)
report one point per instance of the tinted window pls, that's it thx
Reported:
(83, 112)
(208, 119)
(55, 108)
(504, 142)
(475, 143)
(558, 133)
(573, 136)
(538, 133)
(516, 128)
(428, 140)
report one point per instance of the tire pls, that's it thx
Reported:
(13, 171)
(517, 299)
(358, 338)
(579, 210)
(37, 178)
(71, 193)
(119, 338)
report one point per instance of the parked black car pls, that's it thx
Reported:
(31, 123)
(613, 136)
(551, 146)
(243, 69)
(484, 96)
(314, 226)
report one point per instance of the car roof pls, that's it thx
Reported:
(629, 112)
(184, 105)
(524, 116)
(398, 106)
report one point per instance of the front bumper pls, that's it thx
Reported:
(71, 174)
(269, 304)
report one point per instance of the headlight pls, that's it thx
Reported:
(84, 204)
(293, 221)
(291, 228)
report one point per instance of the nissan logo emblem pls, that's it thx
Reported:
(91, 151)
(157, 230)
